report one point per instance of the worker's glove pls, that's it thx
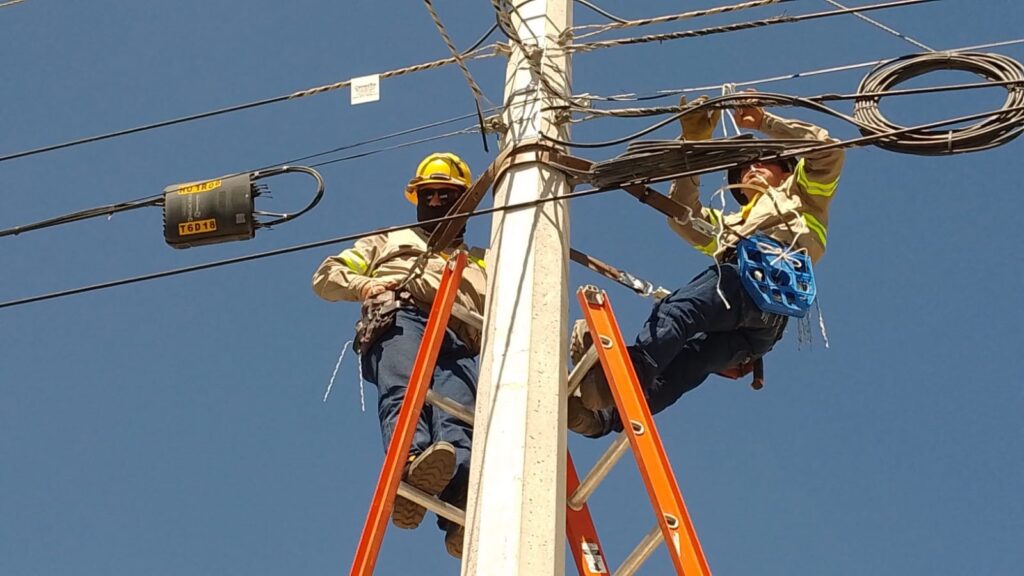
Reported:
(698, 125)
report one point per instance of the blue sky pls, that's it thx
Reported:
(176, 426)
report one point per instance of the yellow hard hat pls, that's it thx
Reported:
(439, 168)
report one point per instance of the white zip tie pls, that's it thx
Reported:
(344, 348)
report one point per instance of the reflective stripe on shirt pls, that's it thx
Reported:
(814, 188)
(354, 260)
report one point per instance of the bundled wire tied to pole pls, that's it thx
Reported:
(989, 132)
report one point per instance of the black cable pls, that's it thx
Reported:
(378, 139)
(1001, 127)
(811, 147)
(108, 210)
(290, 249)
(602, 11)
(180, 119)
(148, 201)
(992, 131)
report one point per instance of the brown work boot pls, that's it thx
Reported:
(582, 420)
(579, 341)
(453, 537)
(429, 472)
(594, 390)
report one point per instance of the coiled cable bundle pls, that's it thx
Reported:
(989, 132)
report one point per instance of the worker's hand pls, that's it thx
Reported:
(748, 115)
(698, 125)
(374, 288)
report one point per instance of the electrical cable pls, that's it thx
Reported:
(784, 19)
(811, 147)
(291, 249)
(832, 97)
(108, 210)
(596, 29)
(10, 3)
(793, 76)
(156, 201)
(478, 53)
(1003, 126)
(601, 11)
(990, 132)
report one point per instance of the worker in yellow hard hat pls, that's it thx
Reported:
(396, 292)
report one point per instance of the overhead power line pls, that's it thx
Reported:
(862, 141)
(793, 76)
(591, 46)
(479, 53)
(10, 3)
(590, 30)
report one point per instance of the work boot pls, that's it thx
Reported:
(594, 390)
(429, 472)
(583, 420)
(453, 537)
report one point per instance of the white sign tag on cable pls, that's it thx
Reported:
(365, 89)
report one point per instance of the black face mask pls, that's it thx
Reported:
(426, 212)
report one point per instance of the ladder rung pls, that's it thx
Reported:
(579, 370)
(641, 553)
(460, 411)
(598, 473)
(441, 508)
(472, 319)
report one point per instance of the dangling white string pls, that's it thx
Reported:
(344, 348)
(719, 235)
(821, 321)
(728, 90)
(362, 395)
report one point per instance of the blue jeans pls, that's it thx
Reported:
(691, 334)
(388, 365)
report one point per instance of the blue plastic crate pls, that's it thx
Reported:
(778, 285)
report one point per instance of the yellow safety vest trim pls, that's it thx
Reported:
(478, 261)
(710, 248)
(816, 226)
(814, 188)
(355, 261)
(749, 206)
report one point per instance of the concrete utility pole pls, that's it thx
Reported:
(516, 511)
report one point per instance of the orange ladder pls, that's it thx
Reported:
(580, 531)
(639, 433)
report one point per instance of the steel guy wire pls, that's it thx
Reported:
(878, 24)
(596, 29)
(784, 19)
(812, 147)
(474, 88)
(480, 53)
